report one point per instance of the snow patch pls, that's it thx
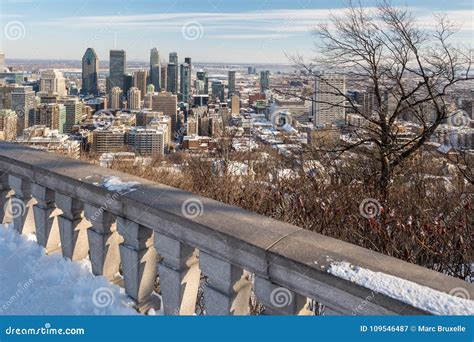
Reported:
(419, 296)
(114, 183)
(33, 283)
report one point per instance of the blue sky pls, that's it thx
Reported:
(259, 31)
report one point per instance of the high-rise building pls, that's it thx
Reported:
(90, 70)
(167, 103)
(164, 77)
(187, 61)
(235, 105)
(24, 104)
(185, 82)
(52, 81)
(218, 90)
(117, 69)
(134, 98)
(155, 68)
(107, 140)
(51, 115)
(2, 62)
(73, 113)
(6, 96)
(172, 82)
(329, 100)
(264, 81)
(202, 76)
(140, 81)
(146, 141)
(173, 58)
(231, 83)
(116, 98)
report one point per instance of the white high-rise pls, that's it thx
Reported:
(134, 98)
(330, 99)
(53, 81)
(2, 62)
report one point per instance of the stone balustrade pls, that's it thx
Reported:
(156, 238)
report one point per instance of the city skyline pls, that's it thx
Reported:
(214, 31)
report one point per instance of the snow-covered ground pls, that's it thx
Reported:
(33, 283)
(422, 297)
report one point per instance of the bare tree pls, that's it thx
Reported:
(407, 71)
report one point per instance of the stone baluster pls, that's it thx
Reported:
(21, 205)
(228, 290)
(279, 300)
(139, 259)
(103, 242)
(46, 220)
(72, 227)
(179, 275)
(5, 193)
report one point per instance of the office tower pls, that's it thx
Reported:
(116, 98)
(73, 113)
(155, 68)
(235, 105)
(107, 140)
(127, 82)
(231, 83)
(199, 87)
(90, 72)
(6, 96)
(329, 104)
(140, 81)
(167, 103)
(134, 98)
(117, 69)
(218, 90)
(187, 61)
(51, 115)
(52, 81)
(264, 81)
(23, 103)
(147, 141)
(164, 78)
(173, 58)
(185, 82)
(192, 126)
(172, 83)
(8, 124)
(202, 76)
(2, 62)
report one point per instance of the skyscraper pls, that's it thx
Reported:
(218, 90)
(264, 81)
(329, 105)
(73, 113)
(172, 82)
(173, 58)
(139, 81)
(185, 82)
(134, 98)
(117, 69)
(166, 103)
(202, 76)
(116, 98)
(2, 62)
(164, 77)
(52, 81)
(155, 68)
(231, 83)
(24, 103)
(90, 69)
